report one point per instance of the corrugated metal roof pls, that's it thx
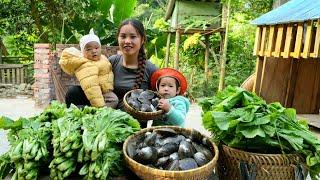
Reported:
(292, 11)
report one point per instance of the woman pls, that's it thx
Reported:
(131, 69)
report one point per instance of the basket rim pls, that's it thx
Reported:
(140, 112)
(167, 172)
(224, 146)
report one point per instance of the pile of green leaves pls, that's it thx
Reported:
(242, 120)
(64, 139)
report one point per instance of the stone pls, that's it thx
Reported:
(28, 87)
(22, 86)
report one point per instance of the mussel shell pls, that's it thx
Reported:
(131, 149)
(206, 142)
(204, 150)
(187, 163)
(150, 138)
(135, 104)
(166, 132)
(141, 145)
(162, 161)
(143, 100)
(176, 139)
(200, 158)
(185, 150)
(167, 149)
(158, 141)
(145, 108)
(155, 102)
(174, 156)
(136, 93)
(172, 166)
(147, 94)
(146, 155)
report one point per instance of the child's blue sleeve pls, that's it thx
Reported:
(178, 112)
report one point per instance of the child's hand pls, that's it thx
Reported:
(164, 105)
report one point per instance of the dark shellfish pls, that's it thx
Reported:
(167, 149)
(173, 166)
(200, 158)
(188, 163)
(162, 161)
(146, 155)
(205, 151)
(150, 138)
(146, 95)
(135, 104)
(174, 156)
(145, 108)
(186, 150)
(165, 132)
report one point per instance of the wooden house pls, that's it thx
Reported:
(287, 46)
(182, 12)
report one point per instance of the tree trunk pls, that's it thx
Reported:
(223, 59)
(277, 3)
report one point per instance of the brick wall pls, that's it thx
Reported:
(46, 56)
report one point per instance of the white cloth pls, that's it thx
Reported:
(88, 38)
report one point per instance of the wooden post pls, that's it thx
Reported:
(279, 42)
(307, 42)
(288, 42)
(206, 57)
(224, 51)
(168, 50)
(263, 41)
(176, 57)
(298, 43)
(271, 41)
(257, 41)
(316, 52)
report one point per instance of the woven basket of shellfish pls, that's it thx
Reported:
(170, 152)
(142, 104)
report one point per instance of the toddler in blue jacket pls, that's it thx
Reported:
(171, 85)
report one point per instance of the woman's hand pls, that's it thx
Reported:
(164, 105)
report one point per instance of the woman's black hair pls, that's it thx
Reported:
(142, 57)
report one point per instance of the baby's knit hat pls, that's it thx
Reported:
(88, 38)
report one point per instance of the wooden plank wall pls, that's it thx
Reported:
(288, 65)
(306, 95)
(274, 84)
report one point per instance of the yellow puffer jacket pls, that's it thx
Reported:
(95, 77)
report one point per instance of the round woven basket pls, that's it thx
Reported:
(145, 172)
(139, 115)
(268, 166)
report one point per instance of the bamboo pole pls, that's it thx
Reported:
(224, 51)
(168, 50)
(206, 58)
(176, 57)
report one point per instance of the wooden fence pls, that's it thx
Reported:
(13, 74)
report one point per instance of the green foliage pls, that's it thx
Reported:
(60, 21)
(242, 120)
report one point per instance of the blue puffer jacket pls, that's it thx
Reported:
(177, 114)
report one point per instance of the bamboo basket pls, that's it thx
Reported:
(248, 84)
(145, 172)
(139, 115)
(268, 166)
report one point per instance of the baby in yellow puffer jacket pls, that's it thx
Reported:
(93, 70)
